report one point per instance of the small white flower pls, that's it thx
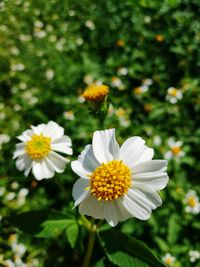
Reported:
(173, 95)
(192, 202)
(168, 259)
(90, 25)
(147, 82)
(141, 89)
(14, 185)
(69, 115)
(18, 249)
(117, 82)
(2, 190)
(8, 263)
(37, 150)
(4, 138)
(194, 255)
(157, 140)
(122, 71)
(118, 182)
(175, 149)
(49, 74)
(88, 79)
(10, 196)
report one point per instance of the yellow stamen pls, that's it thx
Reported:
(168, 261)
(38, 147)
(176, 150)
(110, 180)
(173, 92)
(95, 93)
(192, 201)
(138, 90)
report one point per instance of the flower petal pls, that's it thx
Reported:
(88, 160)
(23, 162)
(79, 192)
(92, 207)
(134, 207)
(131, 150)
(146, 155)
(62, 145)
(111, 213)
(154, 181)
(38, 129)
(41, 170)
(77, 167)
(156, 166)
(58, 162)
(20, 150)
(105, 145)
(53, 130)
(25, 136)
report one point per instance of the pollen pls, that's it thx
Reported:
(173, 92)
(192, 201)
(95, 92)
(38, 147)
(110, 180)
(176, 150)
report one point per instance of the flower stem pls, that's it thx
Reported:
(90, 246)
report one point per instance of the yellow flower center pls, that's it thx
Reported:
(169, 261)
(192, 201)
(138, 90)
(176, 150)
(173, 92)
(110, 180)
(95, 92)
(38, 147)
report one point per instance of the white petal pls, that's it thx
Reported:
(77, 167)
(131, 150)
(111, 213)
(153, 180)
(58, 162)
(20, 150)
(157, 166)
(146, 155)
(23, 162)
(92, 207)
(105, 145)
(25, 136)
(146, 197)
(53, 130)
(62, 145)
(38, 129)
(168, 155)
(79, 193)
(88, 160)
(135, 208)
(123, 213)
(42, 170)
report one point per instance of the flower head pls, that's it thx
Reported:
(192, 202)
(96, 93)
(175, 149)
(37, 148)
(168, 259)
(194, 255)
(173, 95)
(118, 182)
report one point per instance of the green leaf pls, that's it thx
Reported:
(30, 222)
(72, 233)
(52, 228)
(124, 250)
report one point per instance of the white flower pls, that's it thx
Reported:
(4, 138)
(175, 149)
(194, 255)
(69, 115)
(118, 182)
(173, 95)
(157, 140)
(192, 202)
(37, 150)
(49, 74)
(117, 82)
(122, 71)
(18, 249)
(168, 259)
(2, 190)
(8, 263)
(141, 89)
(90, 25)
(147, 82)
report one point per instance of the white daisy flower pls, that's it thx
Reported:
(194, 255)
(175, 149)
(118, 182)
(37, 150)
(173, 95)
(168, 259)
(192, 202)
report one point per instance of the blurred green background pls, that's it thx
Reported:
(148, 53)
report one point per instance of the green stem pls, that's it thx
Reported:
(90, 246)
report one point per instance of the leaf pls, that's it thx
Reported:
(72, 233)
(174, 227)
(30, 221)
(124, 250)
(52, 228)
